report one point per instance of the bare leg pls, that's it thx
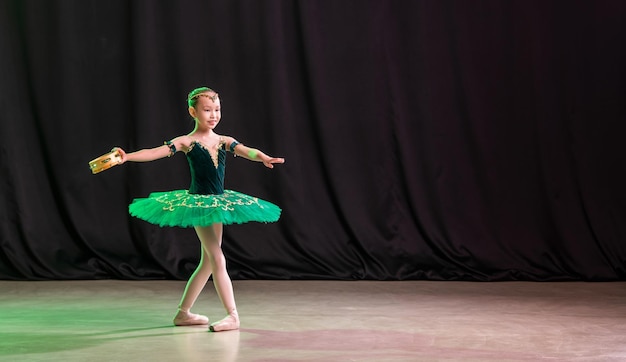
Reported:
(211, 239)
(196, 283)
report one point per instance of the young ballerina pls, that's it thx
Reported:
(206, 206)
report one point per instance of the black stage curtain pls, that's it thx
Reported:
(439, 140)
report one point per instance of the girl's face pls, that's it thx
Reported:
(207, 111)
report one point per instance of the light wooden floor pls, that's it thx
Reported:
(316, 321)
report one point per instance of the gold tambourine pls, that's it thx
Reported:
(105, 162)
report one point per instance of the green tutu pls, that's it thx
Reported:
(182, 209)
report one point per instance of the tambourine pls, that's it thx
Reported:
(105, 162)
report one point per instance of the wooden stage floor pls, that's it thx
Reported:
(114, 320)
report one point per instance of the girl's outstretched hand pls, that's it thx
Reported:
(122, 154)
(269, 163)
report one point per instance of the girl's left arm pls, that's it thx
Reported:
(251, 154)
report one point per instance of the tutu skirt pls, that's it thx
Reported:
(182, 209)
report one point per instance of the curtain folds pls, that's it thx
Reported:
(439, 140)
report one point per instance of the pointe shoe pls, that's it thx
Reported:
(190, 319)
(229, 323)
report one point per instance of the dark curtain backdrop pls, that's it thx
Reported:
(439, 140)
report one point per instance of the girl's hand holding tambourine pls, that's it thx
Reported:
(117, 156)
(122, 154)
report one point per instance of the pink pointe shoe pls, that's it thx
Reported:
(183, 318)
(229, 323)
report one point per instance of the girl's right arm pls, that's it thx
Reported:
(151, 154)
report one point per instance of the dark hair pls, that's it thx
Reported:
(192, 98)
